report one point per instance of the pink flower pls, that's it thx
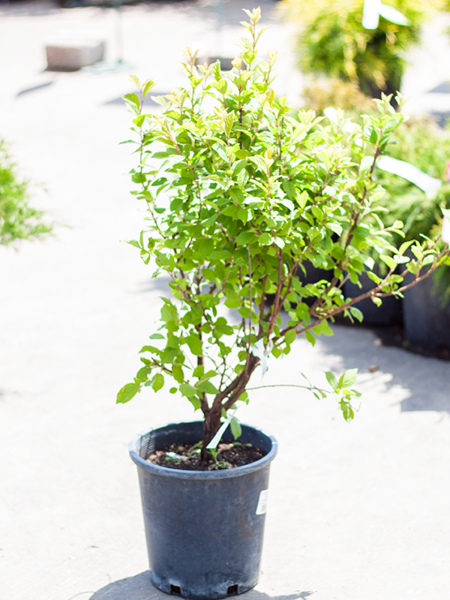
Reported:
(446, 230)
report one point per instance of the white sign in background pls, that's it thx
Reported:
(374, 9)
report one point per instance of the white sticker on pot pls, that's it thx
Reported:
(261, 509)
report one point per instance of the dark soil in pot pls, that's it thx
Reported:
(187, 457)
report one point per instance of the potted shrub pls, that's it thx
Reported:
(426, 308)
(239, 194)
(332, 41)
(18, 220)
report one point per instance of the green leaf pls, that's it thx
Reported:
(207, 387)
(302, 312)
(156, 336)
(151, 349)
(221, 326)
(348, 378)
(169, 313)
(347, 410)
(239, 166)
(234, 302)
(138, 178)
(311, 339)
(357, 314)
(158, 382)
(335, 227)
(136, 81)
(236, 429)
(195, 345)
(187, 390)
(195, 401)
(128, 392)
(366, 164)
(245, 238)
(198, 371)
(265, 239)
(259, 162)
(290, 336)
(389, 261)
(302, 199)
(147, 87)
(177, 373)
(323, 328)
(229, 119)
(133, 99)
(331, 380)
(143, 374)
(404, 247)
(237, 195)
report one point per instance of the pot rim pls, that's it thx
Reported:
(182, 474)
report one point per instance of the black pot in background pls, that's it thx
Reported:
(389, 313)
(204, 529)
(313, 275)
(425, 320)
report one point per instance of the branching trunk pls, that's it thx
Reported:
(225, 400)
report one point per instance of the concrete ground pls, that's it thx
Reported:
(357, 512)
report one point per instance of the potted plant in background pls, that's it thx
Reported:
(426, 308)
(18, 220)
(239, 195)
(332, 41)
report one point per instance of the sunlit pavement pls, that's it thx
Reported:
(357, 512)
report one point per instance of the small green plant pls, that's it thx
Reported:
(332, 41)
(18, 220)
(239, 195)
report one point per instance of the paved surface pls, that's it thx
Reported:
(357, 512)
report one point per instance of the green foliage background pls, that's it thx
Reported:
(18, 220)
(332, 41)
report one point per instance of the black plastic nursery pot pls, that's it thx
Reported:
(390, 311)
(426, 321)
(204, 529)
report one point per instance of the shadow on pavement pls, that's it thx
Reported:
(139, 587)
(426, 379)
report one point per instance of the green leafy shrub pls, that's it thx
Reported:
(18, 220)
(239, 195)
(423, 144)
(332, 41)
(426, 146)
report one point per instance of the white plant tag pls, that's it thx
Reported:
(261, 509)
(261, 353)
(374, 9)
(428, 184)
(216, 439)
(393, 15)
(371, 14)
(446, 231)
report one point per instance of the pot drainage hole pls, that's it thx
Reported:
(175, 590)
(232, 590)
